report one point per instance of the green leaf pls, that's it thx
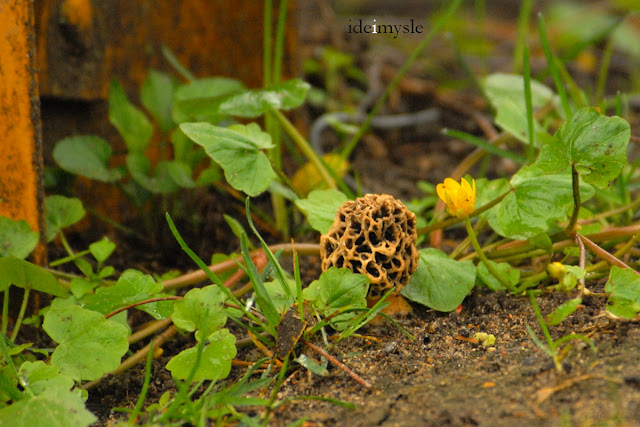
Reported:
(102, 249)
(312, 365)
(281, 299)
(180, 173)
(506, 270)
(61, 212)
(199, 100)
(215, 361)
(156, 95)
(81, 286)
(140, 168)
(131, 287)
(86, 155)
(440, 282)
(535, 204)
(561, 312)
(256, 102)
(40, 378)
(158, 309)
(236, 228)
(506, 93)
(133, 125)
(89, 345)
(623, 287)
(16, 238)
(18, 272)
(595, 144)
(338, 288)
(237, 150)
(202, 310)
(321, 207)
(52, 409)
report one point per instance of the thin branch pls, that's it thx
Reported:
(357, 378)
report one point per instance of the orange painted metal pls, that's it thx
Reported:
(20, 129)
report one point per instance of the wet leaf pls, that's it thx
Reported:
(41, 378)
(131, 287)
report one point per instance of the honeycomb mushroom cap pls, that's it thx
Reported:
(374, 235)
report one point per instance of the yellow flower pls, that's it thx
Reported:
(459, 198)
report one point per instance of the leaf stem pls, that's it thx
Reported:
(5, 311)
(23, 309)
(575, 181)
(483, 257)
(306, 148)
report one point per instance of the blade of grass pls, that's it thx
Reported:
(523, 31)
(262, 296)
(279, 271)
(487, 146)
(145, 387)
(542, 27)
(531, 153)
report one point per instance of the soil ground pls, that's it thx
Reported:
(443, 376)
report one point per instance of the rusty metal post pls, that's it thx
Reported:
(21, 192)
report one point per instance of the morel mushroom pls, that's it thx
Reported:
(374, 235)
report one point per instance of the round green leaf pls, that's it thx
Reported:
(86, 155)
(440, 282)
(536, 202)
(321, 207)
(201, 309)
(624, 292)
(16, 238)
(132, 286)
(51, 409)
(61, 212)
(89, 345)
(595, 144)
(215, 360)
